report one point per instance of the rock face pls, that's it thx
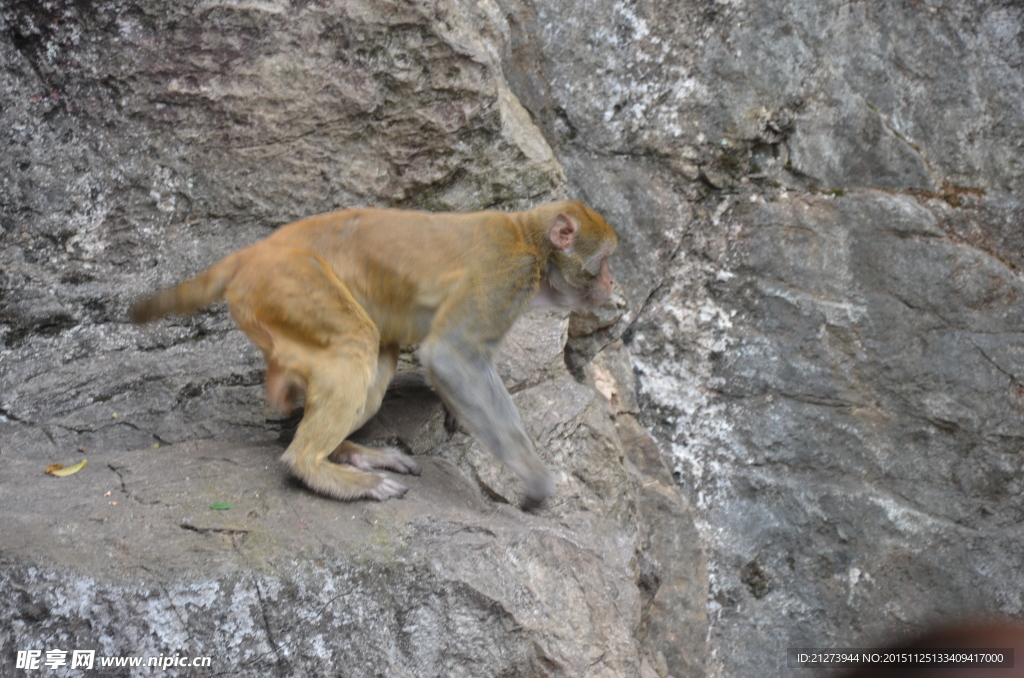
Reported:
(281, 584)
(132, 559)
(822, 230)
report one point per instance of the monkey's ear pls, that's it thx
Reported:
(563, 232)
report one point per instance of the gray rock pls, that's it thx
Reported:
(812, 353)
(129, 556)
(848, 422)
(442, 583)
(820, 210)
(144, 143)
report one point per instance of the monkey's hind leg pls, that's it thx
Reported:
(335, 398)
(319, 334)
(363, 456)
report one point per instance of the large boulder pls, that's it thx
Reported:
(798, 424)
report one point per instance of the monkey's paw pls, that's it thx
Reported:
(386, 489)
(368, 458)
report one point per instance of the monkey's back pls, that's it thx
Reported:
(401, 265)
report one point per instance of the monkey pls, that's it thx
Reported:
(330, 299)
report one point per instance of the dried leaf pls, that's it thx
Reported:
(60, 471)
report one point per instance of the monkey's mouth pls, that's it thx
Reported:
(599, 297)
(592, 304)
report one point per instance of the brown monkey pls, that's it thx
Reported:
(330, 299)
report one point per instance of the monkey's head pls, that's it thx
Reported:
(578, 272)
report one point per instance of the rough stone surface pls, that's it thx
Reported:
(827, 337)
(822, 230)
(144, 142)
(284, 583)
(129, 558)
(849, 421)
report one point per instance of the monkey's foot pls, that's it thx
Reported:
(368, 458)
(364, 486)
(345, 482)
(387, 489)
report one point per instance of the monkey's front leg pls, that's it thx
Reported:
(469, 384)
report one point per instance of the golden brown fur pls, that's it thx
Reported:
(331, 298)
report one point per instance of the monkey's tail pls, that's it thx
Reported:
(191, 295)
